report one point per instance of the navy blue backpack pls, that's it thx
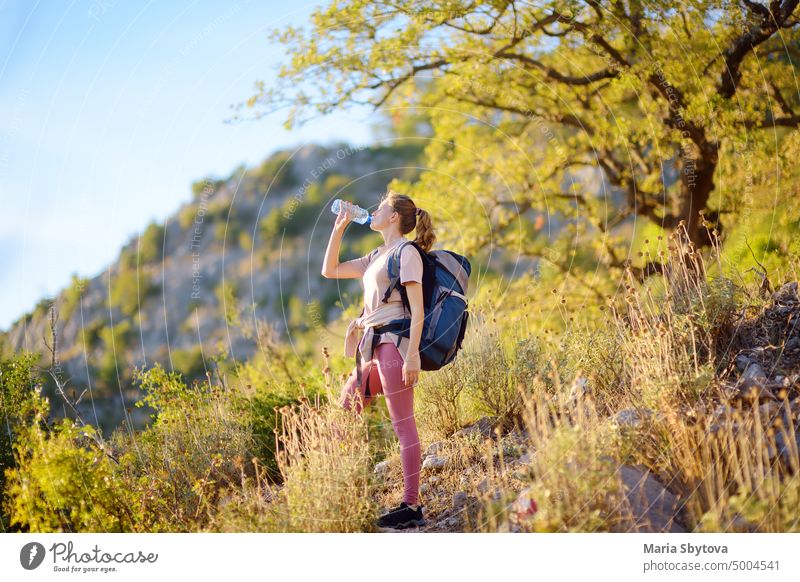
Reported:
(445, 276)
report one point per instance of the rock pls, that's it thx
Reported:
(517, 436)
(459, 499)
(769, 409)
(653, 508)
(632, 417)
(742, 362)
(753, 391)
(434, 462)
(754, 374)
(483, 486)
(433, 448)
(752, 384)
(722, 411)
(792, 344)
(423, 488)
(433, 480)
(483, 427)
(784, 448)
(787, 294)
(521, 466)
(382, 468)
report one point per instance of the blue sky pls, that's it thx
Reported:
(110, 109)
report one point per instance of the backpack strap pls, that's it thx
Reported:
(393, 267)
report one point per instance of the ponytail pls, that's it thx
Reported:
(425, 234)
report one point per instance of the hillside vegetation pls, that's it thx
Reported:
(680, 413)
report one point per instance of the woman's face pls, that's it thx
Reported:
(382, 215)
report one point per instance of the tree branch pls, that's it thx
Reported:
(557, 76)
(778, 14)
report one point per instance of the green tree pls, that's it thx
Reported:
(274, 172)
(151, 245)
(528, 101)
(227, 293)
(113, 364)
(206, 187)
(72, 296)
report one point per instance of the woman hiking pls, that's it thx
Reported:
(390, 362)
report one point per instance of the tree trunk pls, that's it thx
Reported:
(697, 183)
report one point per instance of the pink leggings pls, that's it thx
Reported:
(387, 378)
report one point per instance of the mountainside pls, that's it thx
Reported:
(246, 248)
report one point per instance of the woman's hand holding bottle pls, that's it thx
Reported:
(344, 217)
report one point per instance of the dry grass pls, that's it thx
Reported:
(736, 466)
(669, 337)
(323, 454)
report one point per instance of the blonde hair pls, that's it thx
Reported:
(411, 217)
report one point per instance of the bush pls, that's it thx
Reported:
(198, 445)
(667, 329)
(245, 240)
(128, 291)
(21, 401)
(151, 244)
(263, 413)
(275, 172)
(189, 363)
(207, 187)
(62, 485)
(113, 366)
(227, 295)
(72, 296)
(492, 382)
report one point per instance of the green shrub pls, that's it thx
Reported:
(189, 363)
(92, 333)
(72, 296)
(227, 295)
(275, 172)
(151, 244)
(42, 307)
(245, 240)
(270, 227)
(491, 382)
(62, 485)
(207, 187)
(263, 413)
(113, 365)
(128, 291)
(198, 445)
(20, 402)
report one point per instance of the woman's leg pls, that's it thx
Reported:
(400, 402)
(353, 394)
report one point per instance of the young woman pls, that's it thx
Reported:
(390, 363)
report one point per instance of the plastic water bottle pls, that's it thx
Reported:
(358, 214)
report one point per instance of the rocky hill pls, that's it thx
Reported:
(247, 248)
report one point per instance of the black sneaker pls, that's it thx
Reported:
(401, 517)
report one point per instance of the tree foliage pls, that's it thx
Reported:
(560, 122)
